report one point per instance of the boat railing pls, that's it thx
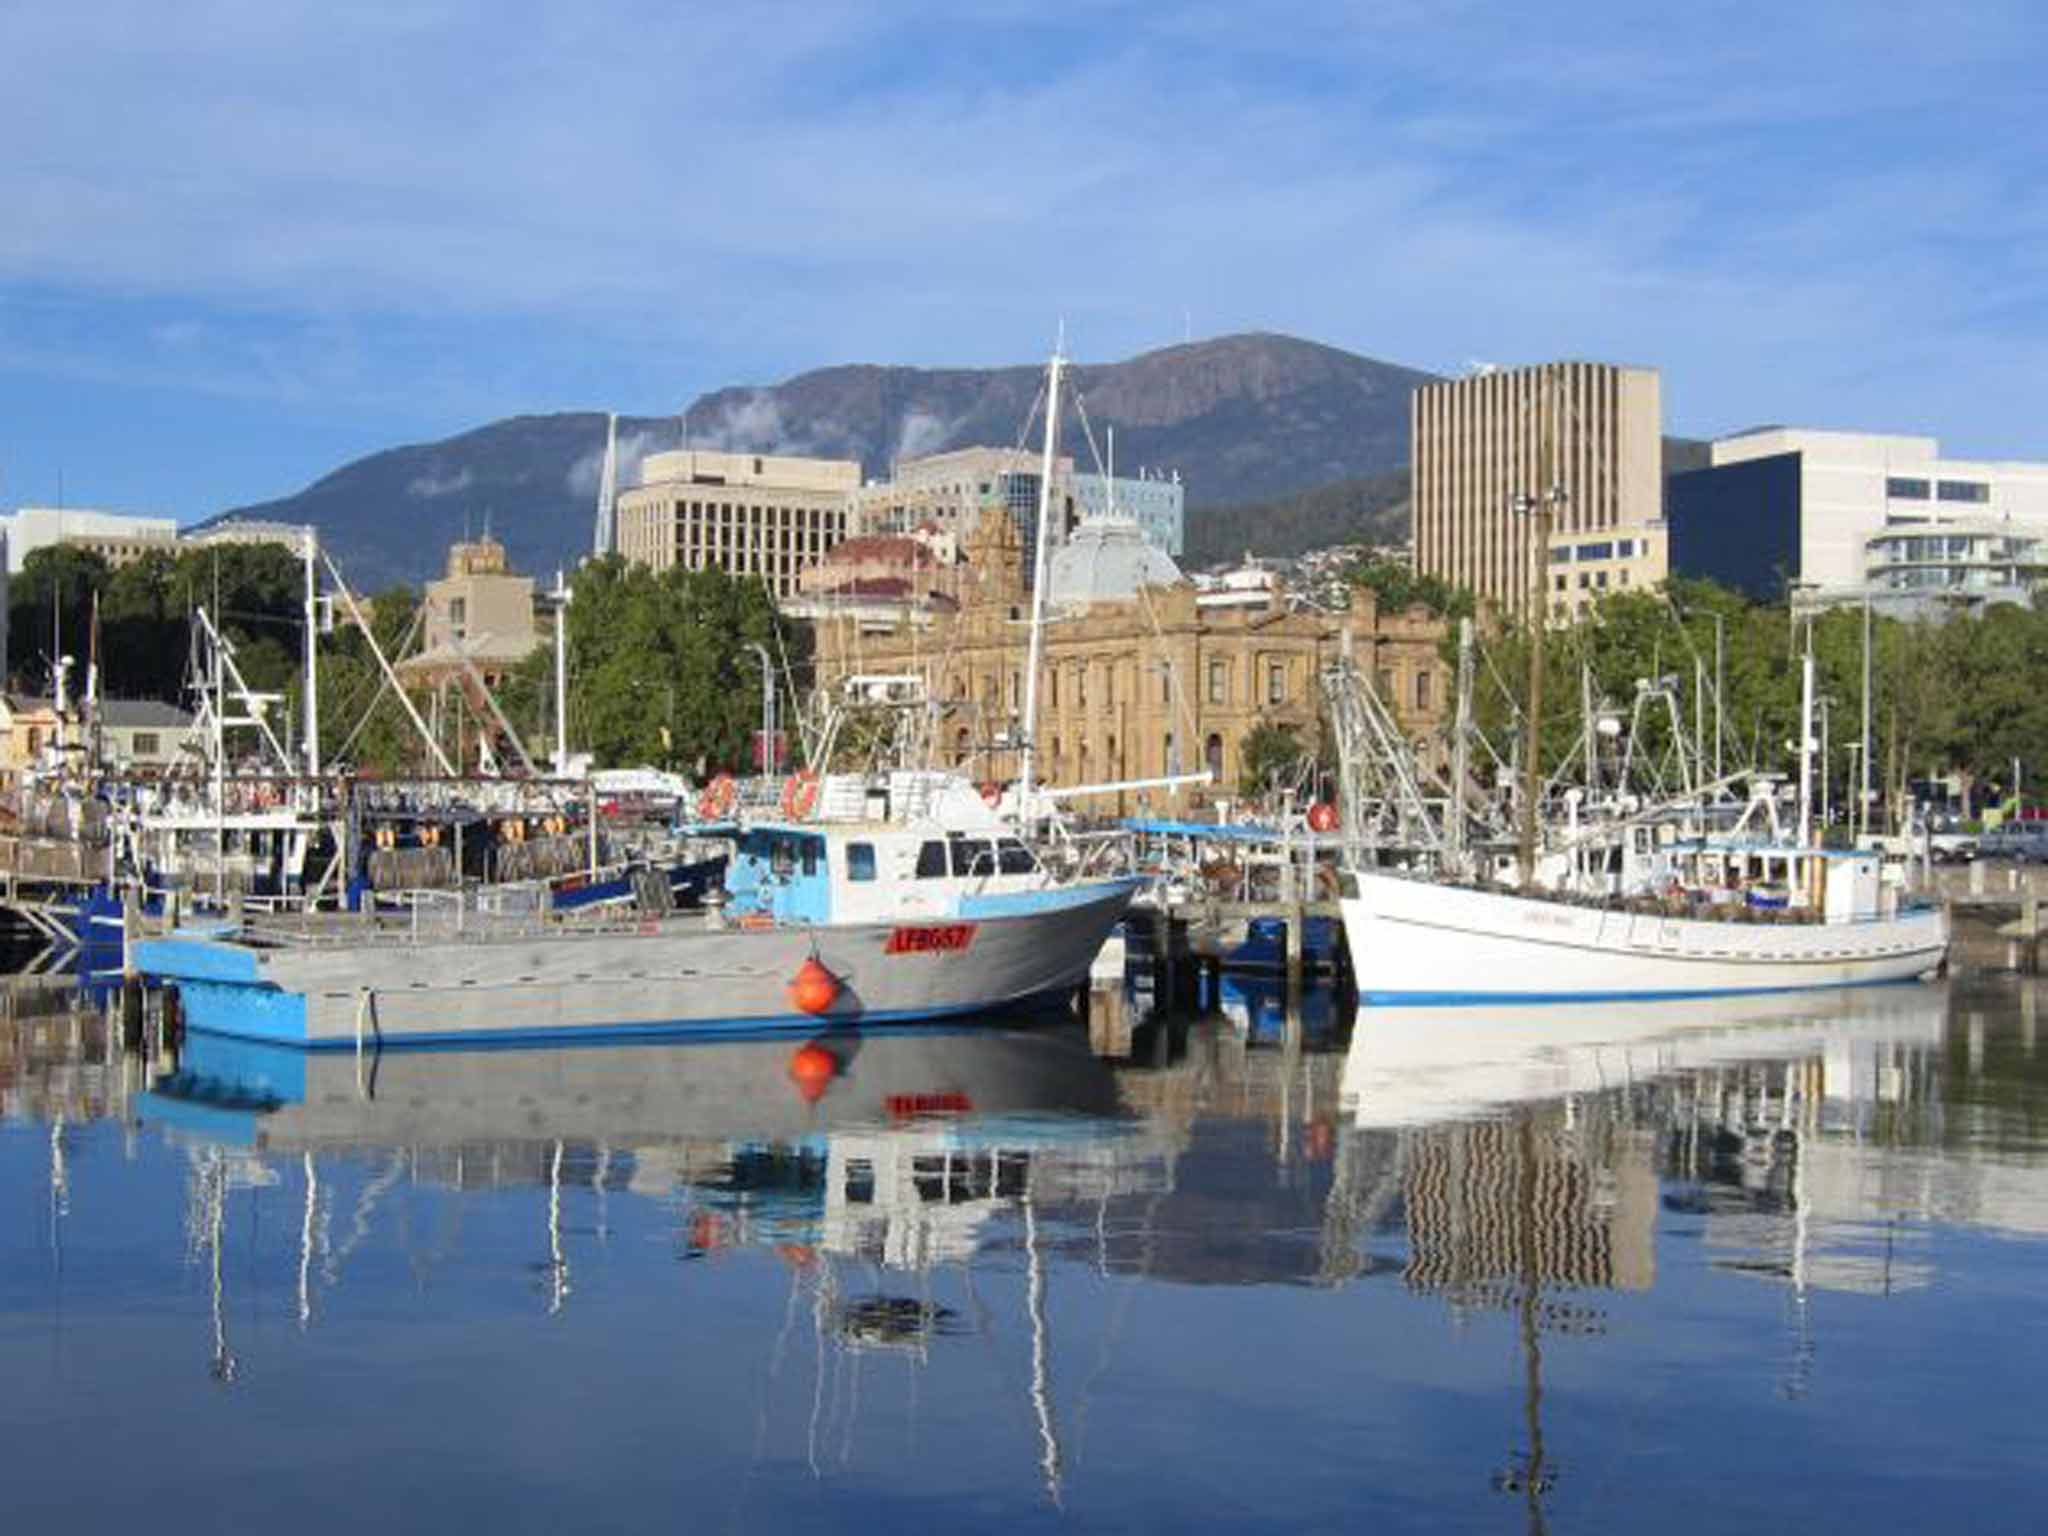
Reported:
(1689, 904)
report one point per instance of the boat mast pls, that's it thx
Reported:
(1806, 741)
(561, 596)
(310, 549)
(606, 537)
(1039, 556)
(1461, 749)
(1538, 508)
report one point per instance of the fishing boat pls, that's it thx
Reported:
(1638, 902)
(1421, 941)
(901, 902)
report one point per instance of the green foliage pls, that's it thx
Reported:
(664, 668)
(1271, 755)
(255, 592)
(1965, 696)
(1370, 509)
(1397, 587)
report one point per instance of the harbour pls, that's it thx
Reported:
(832, 769)
(1012, 1270)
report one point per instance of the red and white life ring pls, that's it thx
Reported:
(799, 794)
(718, 798)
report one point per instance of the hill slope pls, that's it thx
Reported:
(1242, 418)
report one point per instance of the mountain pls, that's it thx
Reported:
(1244, 420)
(1365, 509)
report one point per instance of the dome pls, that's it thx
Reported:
(1106, 560)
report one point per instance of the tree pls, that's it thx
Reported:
(1270, 756)
(672, 653)
(1398, 587)
(51, 604)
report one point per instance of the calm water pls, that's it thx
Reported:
(1770, 1267)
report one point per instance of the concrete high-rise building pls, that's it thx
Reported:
(1476, 444)
(747, 514)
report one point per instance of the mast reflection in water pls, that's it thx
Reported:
(1264, 1268)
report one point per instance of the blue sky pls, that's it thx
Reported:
(243, 241)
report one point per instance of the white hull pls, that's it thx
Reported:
(1420, 1066)
(1414, 942)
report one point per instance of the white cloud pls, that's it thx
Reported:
(437, 483)
(633, 447)
(1422, 181)
(922, 432)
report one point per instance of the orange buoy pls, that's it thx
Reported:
(1322, 817)
(813, 988)
(812, 1069)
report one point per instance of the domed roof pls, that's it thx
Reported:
(1106, 560)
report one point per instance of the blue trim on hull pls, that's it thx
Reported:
(1537, 999)
(1002, 1011)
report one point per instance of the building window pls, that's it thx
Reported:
(1900, 489)
(1384, 682)
(1601, 551)
(1276, 682)
(1212, 756)
(1600, 579)
(458, 613)
(1169, 760)
(1560, 581)
(1625, 548)
(1963, 490)
(1422, 689)
(147, 744)
(1585, 579)
(1219, 682)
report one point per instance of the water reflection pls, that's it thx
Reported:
(1000, 1206)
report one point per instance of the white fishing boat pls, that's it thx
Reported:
(1642, 901)
(1421, 941)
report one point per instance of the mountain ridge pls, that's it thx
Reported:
(1244, 419)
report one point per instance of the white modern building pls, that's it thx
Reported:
(116, 536)
(1782, 509)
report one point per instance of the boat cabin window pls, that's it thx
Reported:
(860, 861)
(782, 857)
(1013, 858)
(811, 851)
(931, 861)
(973, 856)
(860, 1172)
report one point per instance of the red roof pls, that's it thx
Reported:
(883, 548)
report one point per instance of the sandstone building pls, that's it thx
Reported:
(1145, 675)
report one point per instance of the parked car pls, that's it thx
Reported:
(2022, 842)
